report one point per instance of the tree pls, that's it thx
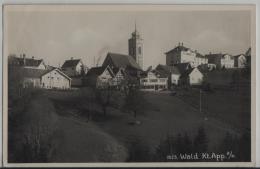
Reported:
(134, 101)
(104, 97)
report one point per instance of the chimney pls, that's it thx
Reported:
(24, 59)
(32, 57)
(179, 44)
(182, 44)
(210, 53)
(71, 58)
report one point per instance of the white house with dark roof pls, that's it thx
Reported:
(240, 61)
(26, 62)
(154, 80)
(99, 77)
(182, 54)
(48, 79)
(73, 67)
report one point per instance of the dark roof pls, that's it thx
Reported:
(122, 61)
(177, 49)
(70, 63)
(167, 69)
(200, 55)
(236, 56)
(182, 67)
(96, 71)
(33, 73)
(116, 70)
(216, 55)
(28, 61)
(160, 74)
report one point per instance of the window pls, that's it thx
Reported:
(153, 80)
(139, 50)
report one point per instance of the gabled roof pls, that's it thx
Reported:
(160, 74)
(33, 73)
(177, 49)
(38, 73)
(27, 61)
(167, 69)
(71, 63)
(96, 71)
(122, 61)
(116, 70)
(236, 56)
(199, 55)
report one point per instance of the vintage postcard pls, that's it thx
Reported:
(129, 85)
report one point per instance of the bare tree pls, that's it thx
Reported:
(104, 97)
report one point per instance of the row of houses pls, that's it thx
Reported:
(182, 54)
(114, 70)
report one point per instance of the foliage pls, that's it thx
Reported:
(105, 97)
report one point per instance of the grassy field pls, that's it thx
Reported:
(164, 115)
(231, 107)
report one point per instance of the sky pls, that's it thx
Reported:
(89, 35)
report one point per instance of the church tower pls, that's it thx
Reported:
(135, 47)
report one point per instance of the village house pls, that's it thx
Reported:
(126, 63)
(192, 77)
(119, 76)
(240, 61)
(99, 77)
(221, 60)
(248, 57)
(48, 79)
(154, 80)
(75, 69)
(26, 62)
(182, 54)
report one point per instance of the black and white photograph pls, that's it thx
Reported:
(129, 84)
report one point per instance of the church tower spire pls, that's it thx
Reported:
(135, 47)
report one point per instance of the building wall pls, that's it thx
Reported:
(104, 79)
(119, 77)
(175, 79)
(151, 82)
(31, 82)
(173, 58)
(54, 79)
(227, 61)
(73, 71)
(240, 61)
(200, 60)
(188, 57)
(195, 77)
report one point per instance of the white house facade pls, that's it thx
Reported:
(195, 77)
(73, 67)
(240, 61)
(48, 79)
(55, 79)
(153, 81)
